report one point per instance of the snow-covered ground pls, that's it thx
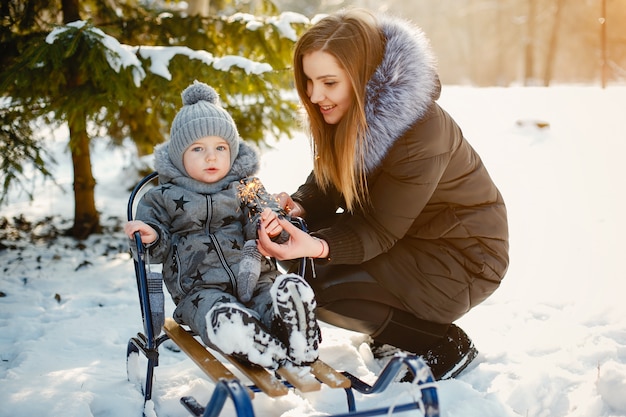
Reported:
(552, 339)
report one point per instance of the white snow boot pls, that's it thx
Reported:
(295, 323)
(234, 330)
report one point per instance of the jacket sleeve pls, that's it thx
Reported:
(398, 192)
(151, 211)
(317, 204)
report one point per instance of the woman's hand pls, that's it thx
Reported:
(148, 234)
(291, 207)
(299, 245)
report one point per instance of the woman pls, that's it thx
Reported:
(408, 229)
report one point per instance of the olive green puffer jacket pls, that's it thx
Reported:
(435, 230)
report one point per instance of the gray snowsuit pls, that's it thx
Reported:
(202, 229)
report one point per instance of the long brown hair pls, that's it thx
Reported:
(354, 38)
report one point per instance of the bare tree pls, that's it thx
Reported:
(529, 43)
(552, 45)
(603, 63)
(198, 7)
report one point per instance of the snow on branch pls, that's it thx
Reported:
(122, 56)
(117, 55)
(160, 57)
(282, 23)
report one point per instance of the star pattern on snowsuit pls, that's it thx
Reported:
(197, 277)
(164, 188)
(235, 245)
(228, 220)
(180, 203)
(196, 301)
(210, 247)
(223, 299)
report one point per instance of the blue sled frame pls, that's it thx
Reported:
(147, 344)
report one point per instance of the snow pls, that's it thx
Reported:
(552, 339)
(118, 56)
(160, 57)
(121, 55)
(282, 22)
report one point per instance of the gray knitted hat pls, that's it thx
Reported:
(200, 116)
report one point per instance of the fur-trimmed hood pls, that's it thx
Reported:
(246, 164)
(401, 90)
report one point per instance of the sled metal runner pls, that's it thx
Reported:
(229, 386)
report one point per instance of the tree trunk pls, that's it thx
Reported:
(86, 217)
(529, 46)
(70, 11)
(198, 7)
(552, 47)
(603, 63)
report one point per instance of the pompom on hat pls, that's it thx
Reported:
(200, 116)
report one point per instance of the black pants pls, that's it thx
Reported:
(350, 298)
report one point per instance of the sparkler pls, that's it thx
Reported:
(256, 197)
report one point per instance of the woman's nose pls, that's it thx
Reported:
(315, 95)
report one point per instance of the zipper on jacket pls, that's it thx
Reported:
(218, 248)
(176, 260)
(220, 254)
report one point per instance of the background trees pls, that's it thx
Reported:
(79, 75)
(523, 42)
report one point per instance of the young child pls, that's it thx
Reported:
(201, 224)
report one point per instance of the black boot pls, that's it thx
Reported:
(445, 348)
(449, 357)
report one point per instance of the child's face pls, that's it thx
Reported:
(207, 159)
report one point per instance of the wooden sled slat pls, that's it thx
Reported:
(260, 377)
(303, 381)
(215, 369)
(329, 376)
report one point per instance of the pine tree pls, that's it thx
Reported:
(78, 74)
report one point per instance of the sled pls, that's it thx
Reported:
(273, 384)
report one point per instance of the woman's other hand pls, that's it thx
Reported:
(291, 207)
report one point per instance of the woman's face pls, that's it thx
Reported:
(328, 85)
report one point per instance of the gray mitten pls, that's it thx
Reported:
(249, 271)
